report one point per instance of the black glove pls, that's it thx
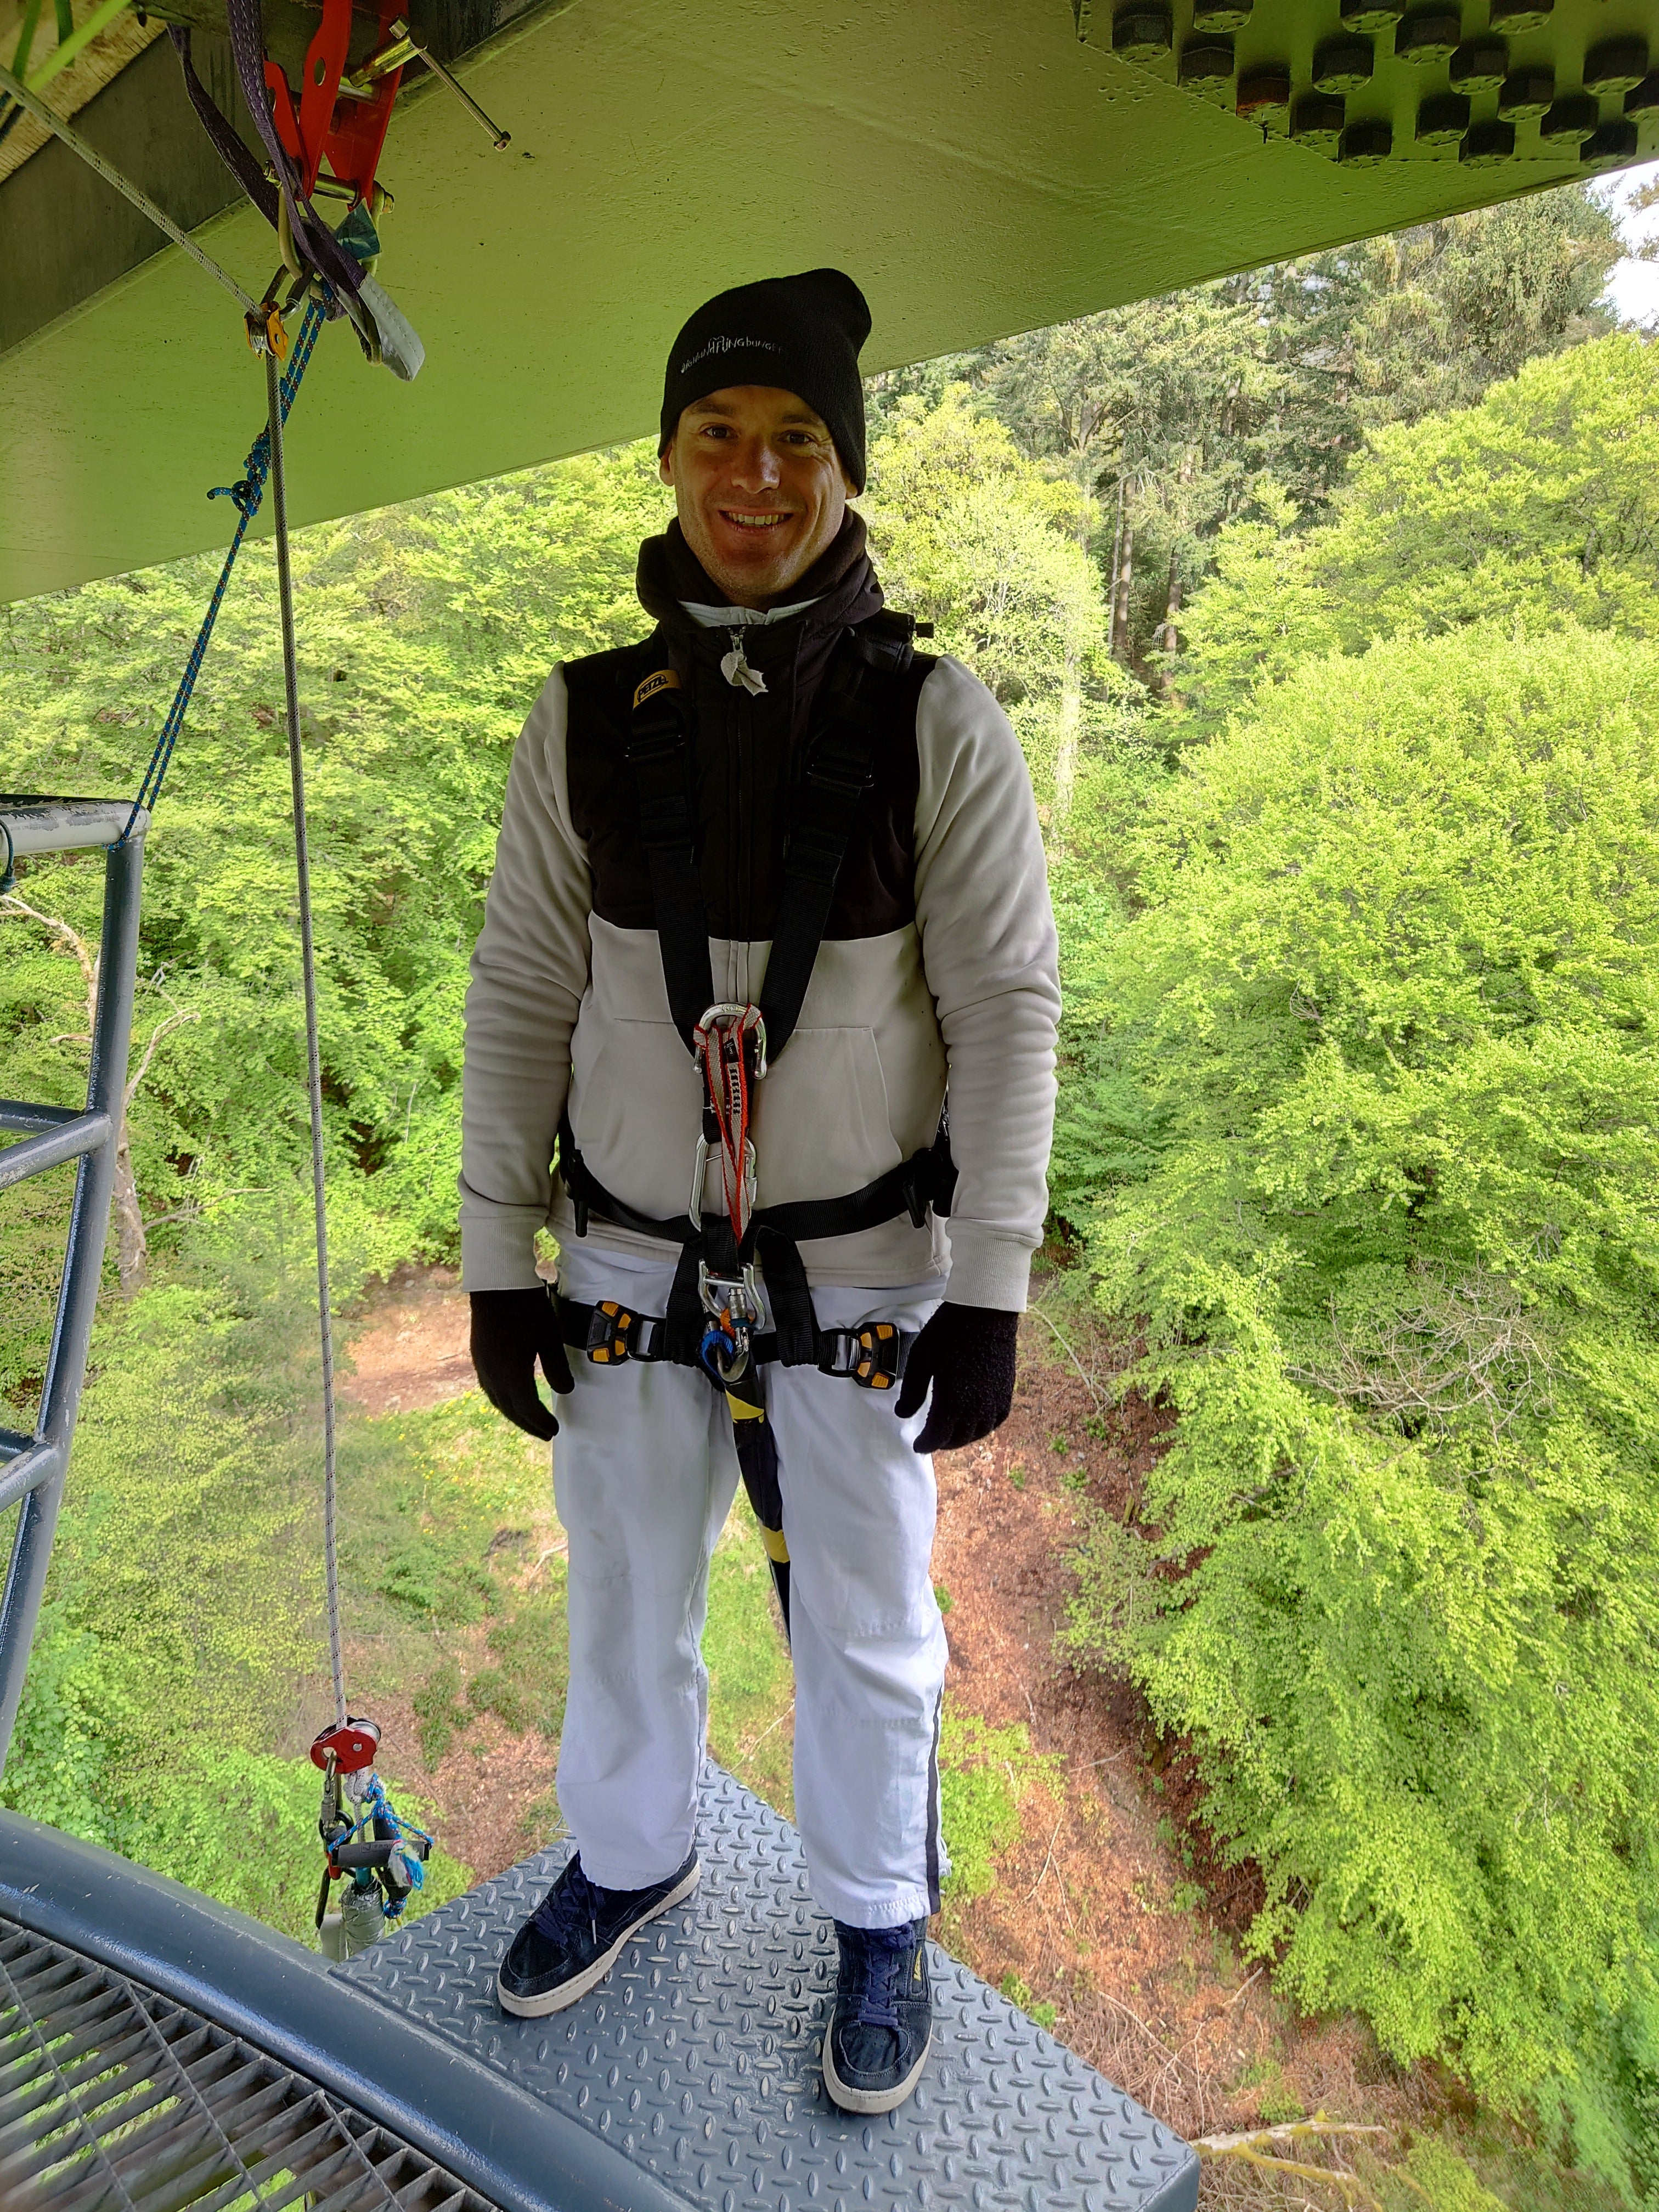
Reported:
(510, 1331)
(967, 1353)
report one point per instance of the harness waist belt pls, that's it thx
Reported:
(926, 1179)
(873, 1356)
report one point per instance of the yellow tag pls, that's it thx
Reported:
(776, 1548)
(664, 679)
(741, 1410)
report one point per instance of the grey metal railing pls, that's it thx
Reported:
(33, 1468)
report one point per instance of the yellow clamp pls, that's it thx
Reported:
(265, 330)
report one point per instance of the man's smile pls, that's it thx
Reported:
(741, 521)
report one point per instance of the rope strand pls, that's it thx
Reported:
(313, 1053)
(247, 495)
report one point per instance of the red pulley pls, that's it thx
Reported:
(353, 1747)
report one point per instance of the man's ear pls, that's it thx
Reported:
(666, 464)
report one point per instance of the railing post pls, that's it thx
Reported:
(77, 1297)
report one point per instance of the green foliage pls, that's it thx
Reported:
(985, 1773)
(181, 1619)
(525, 1685)
(425, 634)
(991, 549)
(1445, 2179)
(1536, 507)
(1376, 1107)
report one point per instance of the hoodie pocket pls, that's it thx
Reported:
(822, 1124)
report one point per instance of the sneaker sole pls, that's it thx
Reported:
(865, 2102)
(568, 1993)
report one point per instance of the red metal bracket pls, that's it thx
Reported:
(348, 133)
(352, 1747)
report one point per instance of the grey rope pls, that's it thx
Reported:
(313, 1054)
(111, 175)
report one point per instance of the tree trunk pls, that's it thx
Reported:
(1117, 556)
(1170, 637)
(1126, 569)
(131, 1246)
(1065, 758)
(132, 1251)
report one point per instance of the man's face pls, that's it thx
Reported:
(759, 486)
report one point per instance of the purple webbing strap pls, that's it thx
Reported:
(313, 238)
(227, 141)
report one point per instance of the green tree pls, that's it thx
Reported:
(1537, 506)
(424, 635)
(1373, 1109)
(986, 544)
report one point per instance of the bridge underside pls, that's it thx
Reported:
(981, 170)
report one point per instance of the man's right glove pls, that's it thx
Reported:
(967, 1354)
(510, 1331)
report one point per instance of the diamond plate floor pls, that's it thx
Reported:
(698, 2057)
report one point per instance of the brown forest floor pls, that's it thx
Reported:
(1094, 1912)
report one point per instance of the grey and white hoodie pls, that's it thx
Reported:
(939, 963)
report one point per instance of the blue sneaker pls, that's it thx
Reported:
(883, 2021)
(571, 1939)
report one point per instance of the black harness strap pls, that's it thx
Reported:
(659, 755)
(926, 1179)
(840, 768)
(872, 660)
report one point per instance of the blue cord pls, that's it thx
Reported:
(247, 495)
(377, 1805)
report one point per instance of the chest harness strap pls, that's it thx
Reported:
(715, 1305)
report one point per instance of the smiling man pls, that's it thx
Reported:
(767, 883)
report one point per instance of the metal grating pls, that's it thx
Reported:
(697, 2058)
(113, 2099)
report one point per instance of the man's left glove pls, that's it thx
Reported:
(510, 1331)
(967, 1353)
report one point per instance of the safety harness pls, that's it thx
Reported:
(714, 1306)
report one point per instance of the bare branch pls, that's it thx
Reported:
(72, 936)
(1468, 1346)
(168, 1022)
(1289, 2131)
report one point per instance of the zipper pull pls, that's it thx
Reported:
(735, 668)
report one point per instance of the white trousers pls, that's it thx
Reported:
(645, 1470)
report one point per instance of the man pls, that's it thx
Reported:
(773, 816)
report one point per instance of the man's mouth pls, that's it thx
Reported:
(742, 521)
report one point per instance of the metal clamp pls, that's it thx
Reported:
(699, 1172)
(874, 1356)
(616, 1334)
(734, 1306)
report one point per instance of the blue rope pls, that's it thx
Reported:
(246, 495)
(376, 1804)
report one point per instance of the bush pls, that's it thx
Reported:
(1374, 1097)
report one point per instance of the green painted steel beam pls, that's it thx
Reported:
(980, 169)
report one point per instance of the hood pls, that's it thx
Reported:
(841, 584)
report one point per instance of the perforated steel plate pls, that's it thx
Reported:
(114, 2099)
(698, 2057)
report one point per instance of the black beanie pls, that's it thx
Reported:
(799, 334)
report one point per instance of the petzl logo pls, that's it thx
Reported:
(664, 679)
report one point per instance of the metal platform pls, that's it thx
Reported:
(697, 2060)
(690, 2077)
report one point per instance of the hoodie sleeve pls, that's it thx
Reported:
(530, 970)
(991, 957)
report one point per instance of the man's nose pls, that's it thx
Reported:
(755, 465)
